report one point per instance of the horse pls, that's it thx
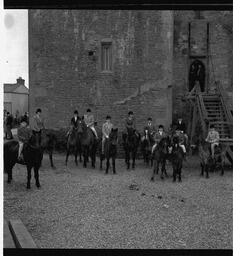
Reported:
(89, 144)
(74, 143)
(159, 156)
(110, 150)
(146, 146)
(48, 142)
(32, 154)
(208, 163)
(131, 142)
(176, 157)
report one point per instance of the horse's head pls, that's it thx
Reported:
(163, 145)
(114, 136)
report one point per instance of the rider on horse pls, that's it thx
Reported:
(90, 122)
(213, 139)
(150, 128)
(24, 134)
(37, 124)
(106, 130)
(75, 120)
(130, 123)
(158, 136)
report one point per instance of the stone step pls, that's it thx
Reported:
(20, 234)
(8, 241)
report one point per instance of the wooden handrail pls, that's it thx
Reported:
(225, 105)
(204, 112)
(203, 122)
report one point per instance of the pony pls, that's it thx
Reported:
(110, 150)
(146, 146)
(131, 142)
(176, 157)
(74, 143)
(32, 154)
(159, 156)
(208, 163)
(89, 144)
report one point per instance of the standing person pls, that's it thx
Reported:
(213, 138)
(74, 122)
(106, 130)
(37, 124)
(9, 126)
(89, 121)
(158, 136)
(25, 118)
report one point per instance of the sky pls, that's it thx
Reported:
(15, 47)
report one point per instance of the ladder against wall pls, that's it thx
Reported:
(212, 108)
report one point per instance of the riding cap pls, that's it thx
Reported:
(149, 119)
(161, 126)
(212, 126)
(76, 112)
(108, 117)
(130, 113)
(38, 110)
(88, 110)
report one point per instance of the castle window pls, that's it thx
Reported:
(106, 56)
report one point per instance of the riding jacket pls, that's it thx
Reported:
(37, 123)
(130, 123)
(158, 136)
(106, 129)
(89, 120)
(74, 122)
(213, 137)
(24, 134)
(181, 126)
(151, 129)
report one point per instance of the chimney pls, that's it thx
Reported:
(20, 81)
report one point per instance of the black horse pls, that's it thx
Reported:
(48, 142)
(110, 150)
(160, 156)
(74, 144)
(131, 142)
(89, 144)
(176, 157)
(32, 154)
(146, 147)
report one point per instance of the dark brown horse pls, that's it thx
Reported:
(131, 142)
(110, 150)
(160, 156)
(176, 157)
(89, 144)
(208, 163)
(146, 147)
(74, 144)
(32, 154)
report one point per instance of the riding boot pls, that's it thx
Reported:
(185, 155)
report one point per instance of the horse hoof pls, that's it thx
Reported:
(114, 173)
(174, 180)
(152, 179)
(38, 185)
(162, 177)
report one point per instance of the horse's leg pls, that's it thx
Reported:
(162, 170)
(36, 175)
(174, 173)
(202, 169)
(51, 158)
(154, 169)
(180, 169)
(165, 171)
(107, 164)
(133, 159)
(128, 159)
(29, 168)
(76, 156)
(114, 165)
(67, 154)
(206, 168)
(85, 156)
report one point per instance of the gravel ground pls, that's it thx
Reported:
(84, 208)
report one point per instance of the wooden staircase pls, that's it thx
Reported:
(212, 108)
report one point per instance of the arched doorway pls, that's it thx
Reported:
(197, 74)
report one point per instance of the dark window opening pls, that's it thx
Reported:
(106, 56)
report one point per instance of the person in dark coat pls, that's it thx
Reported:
(9, 126)
(180, 125)
(74, 122)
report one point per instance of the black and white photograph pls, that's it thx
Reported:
(117, 128)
